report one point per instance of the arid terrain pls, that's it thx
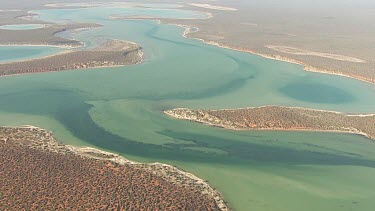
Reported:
(257, 170)
(43, 36)
(280, 118)
(111, 53)
(330, 39)
(39, 173)
(16, 16)
(331, 29)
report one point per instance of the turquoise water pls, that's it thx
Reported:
(22, 26)
(14, 53)
(120, 110)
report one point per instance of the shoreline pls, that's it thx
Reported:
(276, 57)
(41, 45)
(213, 7)
(76, 66)
(66, 51)
(305, 66)
(350, 130)
(208, 16)
(293, 107)
(71, 28)
(87, 68)
(20, 24)
(127, 5)
(187, 30)
(42, 57)
(170, 173)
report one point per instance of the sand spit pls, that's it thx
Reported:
(10, 10)
(280, 118)
(41, 139)
(213, 7)
(298, 51)
(9, 26)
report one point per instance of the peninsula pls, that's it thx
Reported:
(280, 118)
(46, 36)
(109, 54)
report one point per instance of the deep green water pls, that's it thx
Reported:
(120, 110)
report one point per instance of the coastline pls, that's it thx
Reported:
(213, 7)
(114, 17)
(42, 57)
(276, 57)
(68, 50)
(289, 60)
(41, 45)
(88, 68)
(306, 67)
(292, 107)
(349, 130)
(108, 66)
(7, 25)
(61, 42)
(188, 31)
(168, 172)
(105, 47)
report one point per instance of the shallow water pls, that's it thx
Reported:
(16, 53)
(120, 109)
(22, 26)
